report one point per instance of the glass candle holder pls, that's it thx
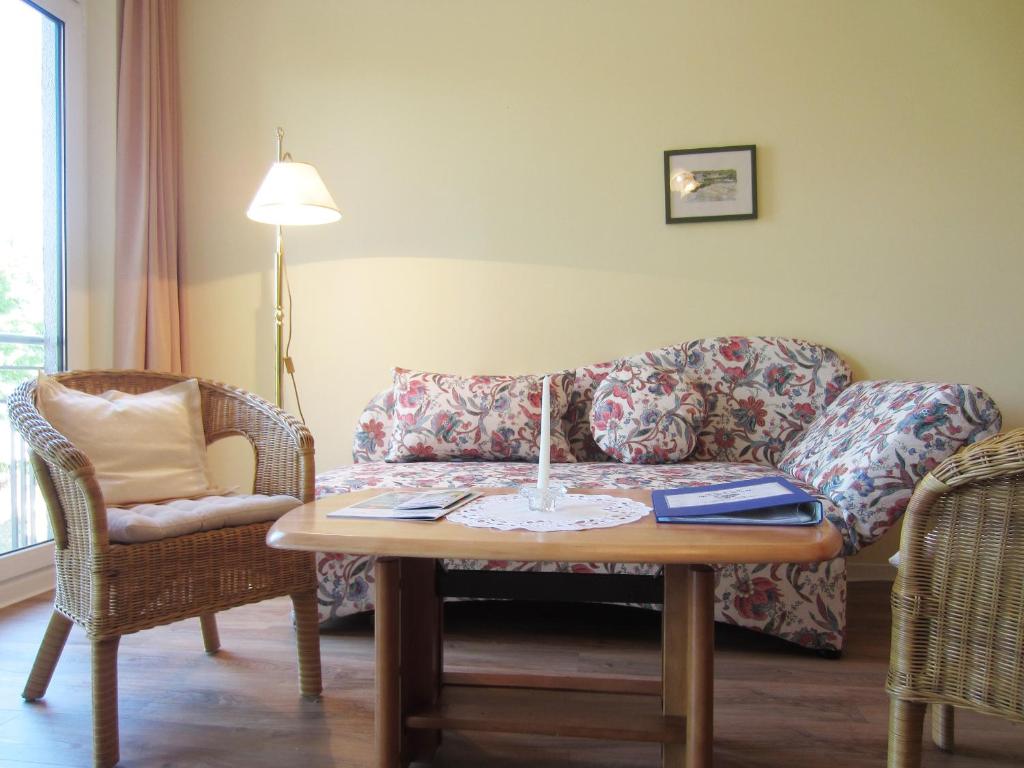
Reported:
(543, 500)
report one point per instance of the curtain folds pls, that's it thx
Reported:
(149, 252)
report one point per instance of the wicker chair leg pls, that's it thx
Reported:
(307, 635)
(57, 632)
(906, 719)
(942, 726)
(211, 638)
(106, 749)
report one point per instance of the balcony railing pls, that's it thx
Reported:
(23, 520)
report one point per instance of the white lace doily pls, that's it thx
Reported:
(575, 512)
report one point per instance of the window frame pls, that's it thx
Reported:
(29, 571)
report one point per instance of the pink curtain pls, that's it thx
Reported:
(149, 246)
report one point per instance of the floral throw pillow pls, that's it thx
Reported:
(440, 416)
(644, 414)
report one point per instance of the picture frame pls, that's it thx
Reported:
(710, 184)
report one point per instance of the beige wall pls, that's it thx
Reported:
(499, 165)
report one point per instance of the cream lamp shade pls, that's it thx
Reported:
(293, 194)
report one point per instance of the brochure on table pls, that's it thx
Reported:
(407, 505)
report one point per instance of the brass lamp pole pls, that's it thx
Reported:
(291, 194)
(278, 293)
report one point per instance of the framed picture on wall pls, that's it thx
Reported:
(712, 184)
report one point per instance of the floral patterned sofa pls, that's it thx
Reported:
(774, 406)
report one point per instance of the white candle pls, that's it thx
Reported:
(544, 469)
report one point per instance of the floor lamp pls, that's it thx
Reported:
(292, 194)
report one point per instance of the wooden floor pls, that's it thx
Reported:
(775, 705)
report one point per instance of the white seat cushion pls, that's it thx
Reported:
(178, 517)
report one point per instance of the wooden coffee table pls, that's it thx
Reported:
(417, 700)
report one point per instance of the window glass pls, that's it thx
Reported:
(31, 242)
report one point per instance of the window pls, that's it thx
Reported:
(32, 241)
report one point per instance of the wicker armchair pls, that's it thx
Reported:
(113, 589)
(958, 602)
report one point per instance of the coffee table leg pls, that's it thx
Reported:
(387, 641)
(675, 617)
(699, 720)
(422, 648)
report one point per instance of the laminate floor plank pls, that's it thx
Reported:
(775, 705)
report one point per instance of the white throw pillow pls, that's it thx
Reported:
(145, 447)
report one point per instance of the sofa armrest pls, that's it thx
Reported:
(869, 449)
(372, 437)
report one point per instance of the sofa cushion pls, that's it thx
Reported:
(505, 474)
(443, 416)
(644, 414)
(179, 517)
(879, 438)
(500, 474)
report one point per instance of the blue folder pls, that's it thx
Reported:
(764, 501)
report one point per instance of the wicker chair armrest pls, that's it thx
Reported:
(977, 474)
(283, 445)
(998, 456)
(65, 475)
(42, 438)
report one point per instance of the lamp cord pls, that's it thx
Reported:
(288, 364)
